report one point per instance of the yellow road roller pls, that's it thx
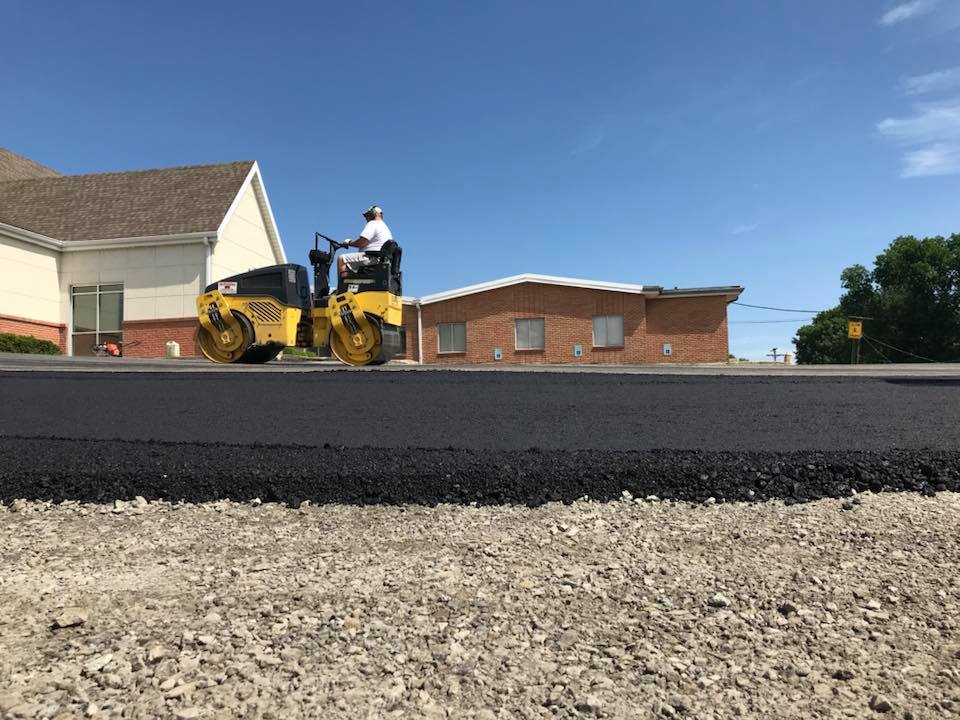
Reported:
(251, 317)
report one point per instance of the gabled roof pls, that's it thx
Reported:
(531, 277)
(17, 167)
(650, 290)
(142, 203)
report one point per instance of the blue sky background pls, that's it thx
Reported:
(674, 143)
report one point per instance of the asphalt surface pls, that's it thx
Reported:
(471, 437)
(505, 411)
(290, 364)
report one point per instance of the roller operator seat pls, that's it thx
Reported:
(385, 272)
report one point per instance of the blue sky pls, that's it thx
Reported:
(674, 143)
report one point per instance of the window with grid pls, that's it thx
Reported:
(97, 316)
(453, 337)
(530, 334)
(608, 330)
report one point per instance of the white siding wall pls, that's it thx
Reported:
(244, 243)
(158, 282)
(28, 281)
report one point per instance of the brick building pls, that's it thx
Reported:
(551, 320)
(122, 256)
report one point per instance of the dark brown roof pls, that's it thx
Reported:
(170, 201)
(17, 167)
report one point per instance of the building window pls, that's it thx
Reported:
(608, 330)
(530, 334)
(453, 337)
(97, 316)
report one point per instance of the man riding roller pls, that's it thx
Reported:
(374, 234)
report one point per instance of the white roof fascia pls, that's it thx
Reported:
(107, 244)
(28, 236)
(727, 293)
(272, 229)
(236, 199)
(540, 279)
(116, 243)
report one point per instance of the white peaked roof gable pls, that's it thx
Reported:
(540, 279)
(255, 180)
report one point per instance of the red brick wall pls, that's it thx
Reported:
(148, 338)
(35, 328)
(410, 323)
(696, 327)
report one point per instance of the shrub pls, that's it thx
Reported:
(27, 344)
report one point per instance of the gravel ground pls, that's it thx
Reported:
(630, 609)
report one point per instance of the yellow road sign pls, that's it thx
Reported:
(854, 329)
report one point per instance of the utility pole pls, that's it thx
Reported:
(854, 333)
(774, 354)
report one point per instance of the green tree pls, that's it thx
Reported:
(912, 300)
(824, 340)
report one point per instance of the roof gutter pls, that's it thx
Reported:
(50, 243)
(28, 236)
(115, 243)
(731, 292)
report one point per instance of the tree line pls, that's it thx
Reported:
(911, 302)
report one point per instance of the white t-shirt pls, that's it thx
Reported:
(377, 232)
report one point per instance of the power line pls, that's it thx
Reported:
(764, 322)
(905, 352)
(767, 307)
(877, 350)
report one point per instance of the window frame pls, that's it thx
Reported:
(96, 290)
(440, 350)
(516, 334)
(606, 329)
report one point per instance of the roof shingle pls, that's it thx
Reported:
(142, 203)
(17, 167)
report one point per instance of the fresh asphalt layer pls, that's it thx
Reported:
(362, 437)
(505, 411)
(11, 362)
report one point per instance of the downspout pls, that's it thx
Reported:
(207, 263)
(69, 310)
(419, 334)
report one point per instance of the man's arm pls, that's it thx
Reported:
(369, 231)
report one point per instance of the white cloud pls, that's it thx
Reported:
(930, 122)
(591, 142)
(744, 228)
(933, 131)
(932, 82)
(907, 11)
(937, 159)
